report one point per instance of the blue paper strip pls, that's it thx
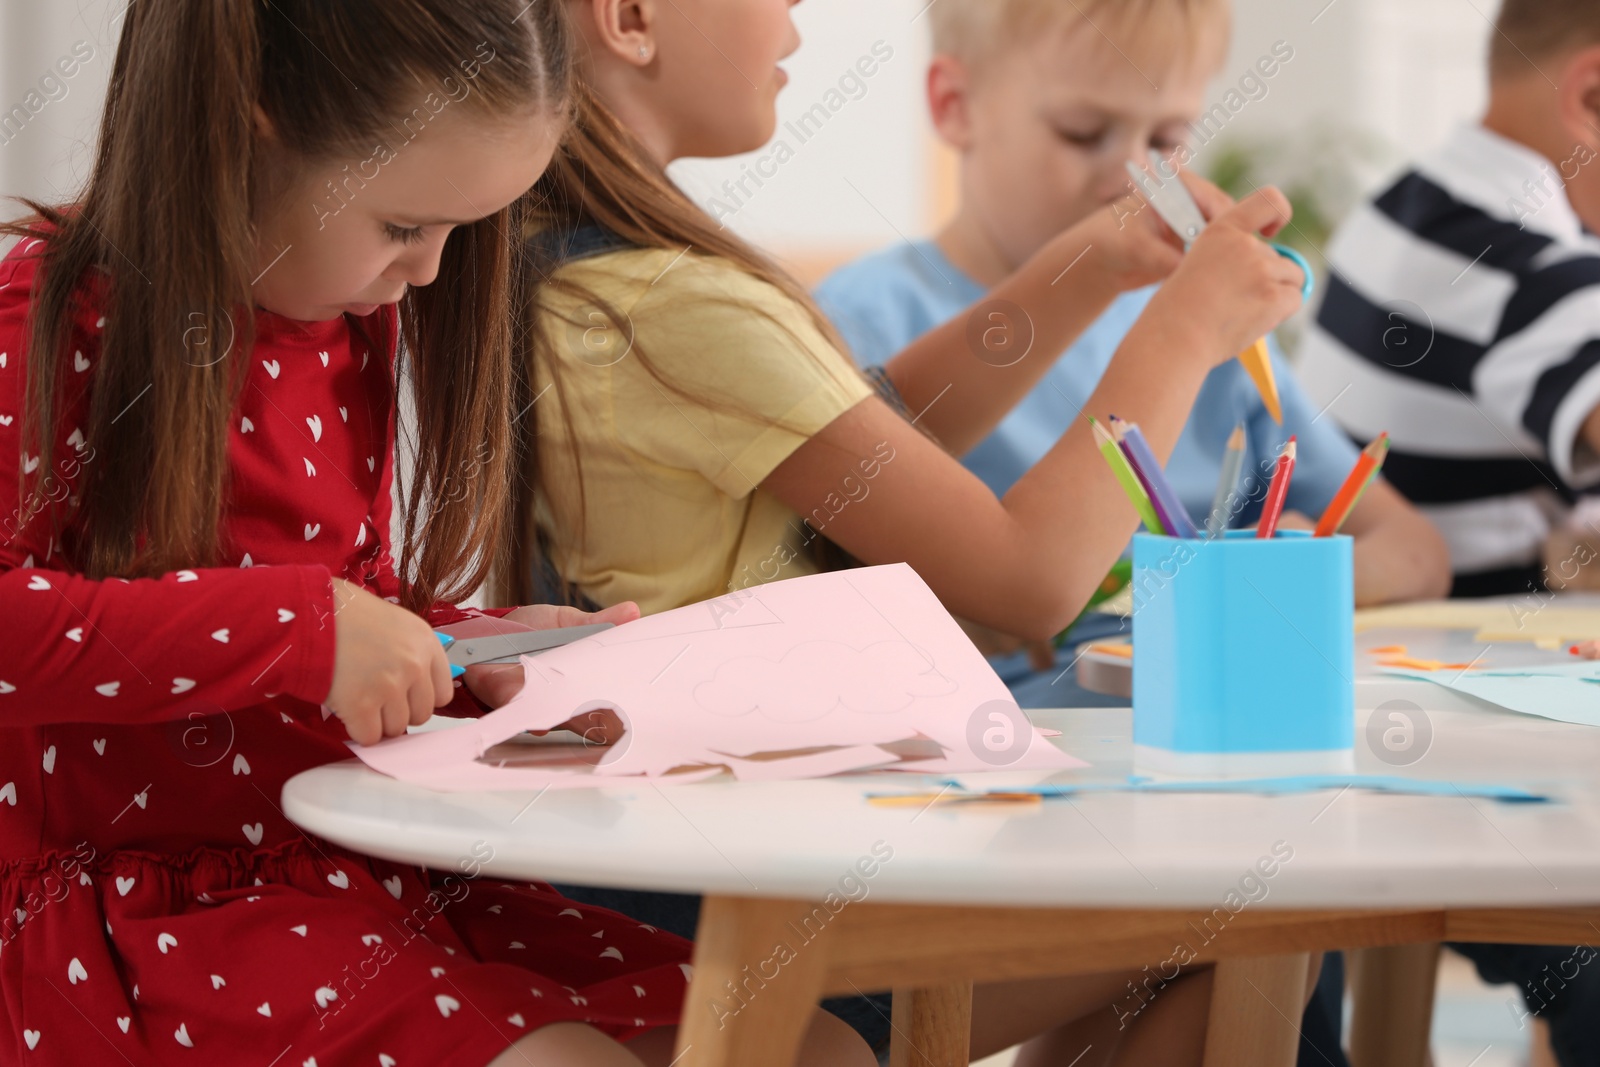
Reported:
(1305, 783)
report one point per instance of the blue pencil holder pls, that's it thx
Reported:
(1244, 654)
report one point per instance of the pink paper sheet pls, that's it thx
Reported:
(843, 662)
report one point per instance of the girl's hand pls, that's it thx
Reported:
(1129, 245)
(497, 683)
(389, 670)
(1232, 288)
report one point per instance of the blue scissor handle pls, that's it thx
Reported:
(1310, 284)
(446, 640)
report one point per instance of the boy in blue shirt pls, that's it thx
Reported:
(1045, 102)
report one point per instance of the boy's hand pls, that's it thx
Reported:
(1128, 243)
(389, 670)
(1232, 288)
(1294, 520)
(1572, 560)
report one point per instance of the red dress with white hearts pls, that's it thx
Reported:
(155, 904)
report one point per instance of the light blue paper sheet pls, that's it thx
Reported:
(1564, 692)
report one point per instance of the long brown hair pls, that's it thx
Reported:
(602, 175)
(166, 222)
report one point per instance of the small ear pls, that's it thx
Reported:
(950, 100)
(1580, 98)
(626, 29)
(264, 127)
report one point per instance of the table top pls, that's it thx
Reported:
(1337, 849)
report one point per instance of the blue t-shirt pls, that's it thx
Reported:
(883, 302)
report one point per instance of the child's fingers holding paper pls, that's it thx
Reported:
(560, 616)
(494, 683)
(1128, 244)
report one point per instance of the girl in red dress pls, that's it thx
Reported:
(198, 387)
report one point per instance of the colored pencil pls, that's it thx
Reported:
(1272, 510)
(1361, 475)
(1168, 506)
(1257, 362)
(1383, 454)
(1232, 464)
(1156, 505)
(1127, 478)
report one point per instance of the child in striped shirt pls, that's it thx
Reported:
(1463, 315)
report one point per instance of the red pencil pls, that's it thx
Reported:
(1272, 510)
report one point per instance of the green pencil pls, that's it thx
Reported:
(1129, 480)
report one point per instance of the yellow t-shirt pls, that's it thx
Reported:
(672, 461)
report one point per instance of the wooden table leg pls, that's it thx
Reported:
(932, 1026)
(759, 966)
(1256, 1005)
(1391, 993)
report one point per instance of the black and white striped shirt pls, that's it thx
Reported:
(1463, 317)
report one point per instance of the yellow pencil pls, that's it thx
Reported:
(1258, 362)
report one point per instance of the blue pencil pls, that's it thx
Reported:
(1144, 459)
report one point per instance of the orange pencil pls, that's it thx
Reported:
(1344, 501)
(1272, 510)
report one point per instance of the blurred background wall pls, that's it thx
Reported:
(1372, 81)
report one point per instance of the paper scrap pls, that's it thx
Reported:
(829, 673)
(1424, 664)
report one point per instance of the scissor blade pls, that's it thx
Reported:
(1169, 197)
(505, 648)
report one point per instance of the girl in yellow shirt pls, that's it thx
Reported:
(692, 423)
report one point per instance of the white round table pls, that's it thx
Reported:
(932, 897)
(795, 839)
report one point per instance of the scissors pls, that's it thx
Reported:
(463, 652)
(1161, 188)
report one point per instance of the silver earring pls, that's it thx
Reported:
(644, 51)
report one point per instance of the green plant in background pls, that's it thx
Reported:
(1236, 167)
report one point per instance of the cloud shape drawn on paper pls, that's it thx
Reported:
(813, 679)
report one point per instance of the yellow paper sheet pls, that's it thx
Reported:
(1547, 625)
